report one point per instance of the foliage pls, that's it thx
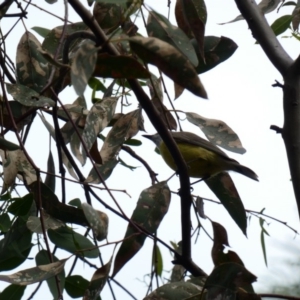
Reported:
(111, 58)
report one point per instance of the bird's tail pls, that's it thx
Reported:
(244, 171)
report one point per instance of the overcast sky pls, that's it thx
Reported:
(240, 94)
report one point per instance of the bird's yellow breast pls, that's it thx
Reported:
(200, 162)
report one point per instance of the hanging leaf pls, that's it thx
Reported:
(50, 178)
(223, 187)
(97, 220)
(42, 258)
(110, 66)
(83, 65)
(98, 118)
(18, 110)
(170, 61)
(15, 246)
(262, 237)
(181, 20)
(216, 51)
(5, 223)
(125, 128)
(32, 68)
(73, 242)
(21, 206)
(151, 208)
(195, 15)
(37, 274)
(97, 282)
(217, 132)
(27, 96)
(157, 261)
(160, 27)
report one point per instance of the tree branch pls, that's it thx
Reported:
(264, 35)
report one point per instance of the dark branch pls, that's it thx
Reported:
(264, 35)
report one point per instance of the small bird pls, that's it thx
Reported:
(203, 158)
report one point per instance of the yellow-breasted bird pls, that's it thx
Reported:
(203, 158)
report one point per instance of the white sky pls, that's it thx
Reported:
(240, 94)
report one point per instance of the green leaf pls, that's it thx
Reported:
(7, 145)
(73, 242)
(170, 61)
(223, 187)
(263, 246)
(160, 27)
(76, 285)
(281, 24)
(27, 96)
(75, 202)
(133, 142)
(216, 51)
(157, 261)
(217, 132)
(5, 222)
(12, 292)
(96, 85)
(151, 208)
(111, 66)
(15, 246)
(42, 258)
(50, 179)
(21, 206)
(83, 65)
(43, 32)
(195, 14)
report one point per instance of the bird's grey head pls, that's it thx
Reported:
(155, 138)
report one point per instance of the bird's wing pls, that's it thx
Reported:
(191, 138)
